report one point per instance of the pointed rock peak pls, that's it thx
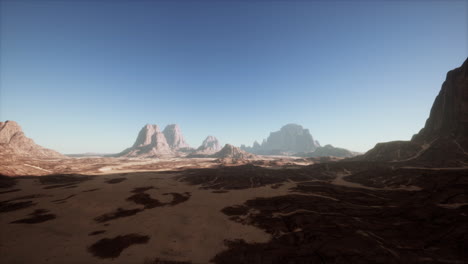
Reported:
(449, 113)
(146, 134)
(210, 139)
(14, 142)
(209, 146)
(174, 137)
(7, 130)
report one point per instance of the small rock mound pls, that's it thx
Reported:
(231, 152)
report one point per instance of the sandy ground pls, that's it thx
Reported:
(193, 230)
(193, 209)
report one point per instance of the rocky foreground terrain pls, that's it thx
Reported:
(401, 202)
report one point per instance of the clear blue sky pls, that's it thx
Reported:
(85, 76)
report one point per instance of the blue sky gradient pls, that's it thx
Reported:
(85, 76)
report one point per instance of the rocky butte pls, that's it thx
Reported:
(150, 142)
(293, 139)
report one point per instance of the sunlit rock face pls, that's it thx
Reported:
(150, 142)
(444, 139)
(174, 137)
(13, 142)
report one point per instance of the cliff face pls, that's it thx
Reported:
(150, 142)
(444, 139)
(13, 142)
(174, 137)
(449, 113)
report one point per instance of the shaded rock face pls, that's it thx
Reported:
(150, 142)
(291, 138)
(174, 137)
(231, 152)
(13, 142)
(328, 150)
(449, 113)
(444, 139)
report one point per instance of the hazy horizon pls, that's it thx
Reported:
(86, 76)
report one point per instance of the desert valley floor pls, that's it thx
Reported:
(203, 210)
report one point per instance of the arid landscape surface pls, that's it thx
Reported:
(401, 202)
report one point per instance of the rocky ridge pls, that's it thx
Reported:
(14, 143)
(443, 141)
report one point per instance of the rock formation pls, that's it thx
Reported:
(14, 143)
(231, 152)
(150, 142)
(175, 139)
(329, 150)
(290, 139)
(209, 146)
(444, 139)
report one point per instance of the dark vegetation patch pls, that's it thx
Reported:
(116, 180)
(91, 190)
(64, 199)
(112, 247)
(145, 199)
(162, 261)
(119, 213)
(65, 179)
(355, 225)
(220, 191)
(31, 196)
(10, 191)
(276, 186)
(8, 206)
(142, 189)
(59, 186)
(235, 210)
(96, 232)
(178, 198)
(7, 182)
(38, 216)
(241, 177)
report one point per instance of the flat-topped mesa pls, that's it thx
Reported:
(150, 142)
(290, 139)
(444, 139)
(174, 138)
(13, 142)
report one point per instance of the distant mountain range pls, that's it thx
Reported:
(442, 142)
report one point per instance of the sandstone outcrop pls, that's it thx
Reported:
(14, 143)
(150, 142)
